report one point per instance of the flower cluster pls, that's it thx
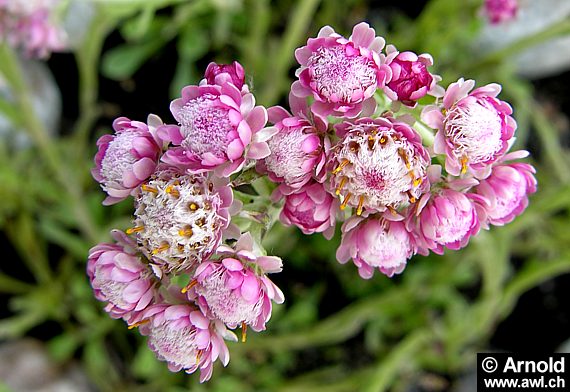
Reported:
(183, 272)
(500, 11)
(355, 147)
(28, 25)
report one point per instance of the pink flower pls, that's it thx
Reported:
(220, 127)
(179, 219)
(410, 78)
(375, 243)
(219, 73)
(187, 340)
(311, 209)
(342, 75)
(125, 160)
(506, 191)
(120, 277)
(297, 151)
(499, 11)
(378, 164)
(236, 292)
(475, 130)
(448, 218)
(27, 24)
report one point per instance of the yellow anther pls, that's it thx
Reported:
(383, 140)
(186, 231)
(148, 188)
(404, 157)
(135, 229)
(341, 166)
(161, 248)
(417, 181)
(135, 325)
(360, 203)
(392, 210)
(192, 206)
(192, 283)
(464, 161)
(243, 331)
(345, 201)
(172, 191)
(340, 186)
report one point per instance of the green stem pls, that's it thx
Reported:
(12, 71)
(425, 132)
(296, 29)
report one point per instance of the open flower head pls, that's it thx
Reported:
(474, 129)
(220, 127)
(128, 158)
(378, 165)
(121, 278)
(500, 11)
(375, 243)
(186, 339)
(179, 219)
(297, 151)
(341, 74)
(30, 25)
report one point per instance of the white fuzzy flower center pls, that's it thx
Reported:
(475, 131)
(179, 220)
(112, 290)
(338, 75)
(205, 126)
(226, 304)
(118, 159)
(388, 250)
(175, 345)
(379, 170)
(287, 157)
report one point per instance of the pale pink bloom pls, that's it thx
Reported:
(447, 218)
(220, 127)
(120, 278)
(236, 292)
(378, 165)
(180, 219)
(499, 11)
(28, 25)
(410, 78)
(186, 339)
(375, 243)
(312, 209)
(506, 191)
(128, 158)
(297, 151)
(220, 73)
(342, 74)
(473, 130)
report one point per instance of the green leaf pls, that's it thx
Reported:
(122, 62)
(63, 346)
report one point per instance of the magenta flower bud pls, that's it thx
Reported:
(410, 78)
(297, 151)
(475, 130)
(499, 11)
(120, 278)
(375, 243)
(220, 127)
(342, 75)
(448, 219)
(235, 293)
(220, 73)
(179, 219)
(127, 159)
(378, 164)
(506, 191)
(311, 209)
(186, 339)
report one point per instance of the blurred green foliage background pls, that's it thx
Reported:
(335, 332)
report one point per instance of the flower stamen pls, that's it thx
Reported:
(161, 248)
(136, 229)
(186, 288)
(148, 188)
(341, 166)
(345, 201)
(243, 331)
(340, 186)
